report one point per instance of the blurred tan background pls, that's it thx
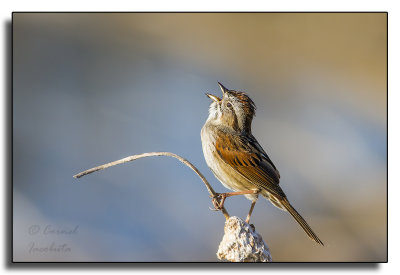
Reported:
(93, 88)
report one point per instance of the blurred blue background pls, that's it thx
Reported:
(93, 88)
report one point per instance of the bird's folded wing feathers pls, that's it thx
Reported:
(254, 165)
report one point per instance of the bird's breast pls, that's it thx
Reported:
(230, 178)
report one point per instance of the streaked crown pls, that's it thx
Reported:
(235, 109)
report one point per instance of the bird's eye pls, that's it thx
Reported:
(228, 104)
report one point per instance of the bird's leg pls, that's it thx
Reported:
(219, 199)
(251, 209)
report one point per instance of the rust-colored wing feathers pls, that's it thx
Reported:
(237, 151)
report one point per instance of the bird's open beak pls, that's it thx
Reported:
(223, 88)
(214, 97)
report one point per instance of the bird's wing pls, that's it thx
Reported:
(253, 143)
(246, 156)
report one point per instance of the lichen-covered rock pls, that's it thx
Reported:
(241, 243)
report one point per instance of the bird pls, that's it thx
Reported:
(236, 158)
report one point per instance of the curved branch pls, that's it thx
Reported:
(154, 154)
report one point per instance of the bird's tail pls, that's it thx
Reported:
(285, 203)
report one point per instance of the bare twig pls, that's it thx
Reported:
(153, 154)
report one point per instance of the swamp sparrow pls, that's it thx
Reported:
(236, 158)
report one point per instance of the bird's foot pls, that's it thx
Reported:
(218, 201)
(219, 198)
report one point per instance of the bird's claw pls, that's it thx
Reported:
(218, 201)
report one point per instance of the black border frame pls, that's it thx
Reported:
(10, 263)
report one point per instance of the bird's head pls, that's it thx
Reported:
(234, 110)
